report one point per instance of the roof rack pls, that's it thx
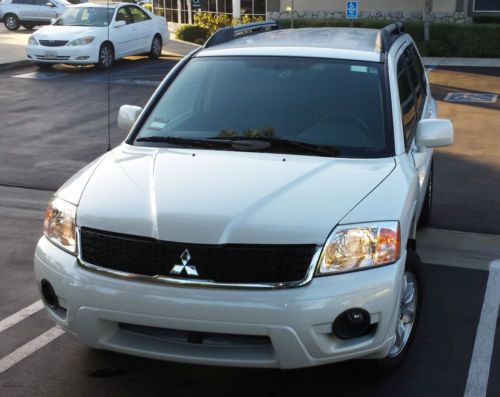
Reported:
(224, 35)
(387, 35)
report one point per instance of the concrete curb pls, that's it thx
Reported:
(15, 64)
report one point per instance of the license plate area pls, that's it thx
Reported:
(50, 55)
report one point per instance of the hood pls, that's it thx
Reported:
(219, 197)
(53, 32)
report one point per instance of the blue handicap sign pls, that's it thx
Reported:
(351, 10)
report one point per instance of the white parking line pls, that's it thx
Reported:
(479, 370)
(29, 348)
(20, 315)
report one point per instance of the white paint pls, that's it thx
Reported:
(20, 315)
(479, 370)
(29, 348)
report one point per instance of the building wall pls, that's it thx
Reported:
(405, 10)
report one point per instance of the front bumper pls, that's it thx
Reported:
(295, 323)
(80, 55)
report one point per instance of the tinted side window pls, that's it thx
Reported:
(416, 80)
(406, 99)
(124, 15)
(25, 2)
(138, 14)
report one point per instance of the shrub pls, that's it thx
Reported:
(148, 6)
(193, 33)
(446, 40)
(214, 22)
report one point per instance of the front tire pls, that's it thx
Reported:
(106, 56)
(410, 307)
(11, 22)
(156, 46)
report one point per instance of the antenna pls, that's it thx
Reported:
(108, 87)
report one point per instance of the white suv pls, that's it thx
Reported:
(262, 210)
(30, 13)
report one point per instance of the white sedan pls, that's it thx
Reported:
(98, 34)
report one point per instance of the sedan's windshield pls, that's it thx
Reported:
(295, 105)
(85, 16)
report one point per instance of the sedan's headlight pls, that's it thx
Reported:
(82, 41)
(356, 246)
(59, 224)
(32, 41)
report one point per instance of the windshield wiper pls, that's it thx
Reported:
(184, 142)
(296, 146)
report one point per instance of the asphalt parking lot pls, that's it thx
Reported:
(53, 123)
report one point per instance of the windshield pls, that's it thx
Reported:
(328, 106)
(85, 16)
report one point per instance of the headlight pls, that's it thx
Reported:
(352, 247)
(32, 41)
(82, 41)
(59, 224)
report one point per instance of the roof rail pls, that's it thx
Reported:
(387, 35)
(224, 35)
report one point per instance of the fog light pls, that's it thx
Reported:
(352, 323)
(49, 295)
(82, 58)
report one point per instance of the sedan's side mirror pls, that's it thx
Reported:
(53, 21)
(127, 116)
(434, 133)
(49, 4)
(119, 24)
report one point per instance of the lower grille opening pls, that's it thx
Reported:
(197, 338)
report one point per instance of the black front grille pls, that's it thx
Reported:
(53, 43)
(228, 263)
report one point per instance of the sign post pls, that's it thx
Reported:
(351, 11)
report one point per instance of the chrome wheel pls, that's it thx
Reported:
(407, 313)
(106, 56)
(11, 22)
(155, 47)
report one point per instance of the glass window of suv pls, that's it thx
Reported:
(416, 81)
(406, 99)
(264, 97)
(138, 15)
(24, 2)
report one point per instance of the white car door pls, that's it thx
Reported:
(144, 32)
(123, 37)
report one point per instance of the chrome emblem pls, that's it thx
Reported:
(189, 269)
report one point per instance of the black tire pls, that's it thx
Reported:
(11, 22)
(385, 366)
(106, 56)
(44, 66)
(28, 26)
(426, 214)
(156, 46)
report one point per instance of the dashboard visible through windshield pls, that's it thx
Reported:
(311, 106)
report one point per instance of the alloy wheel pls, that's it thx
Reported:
(106, 56)
(407, 313)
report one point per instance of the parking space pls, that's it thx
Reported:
(437, 364)
(55, 122)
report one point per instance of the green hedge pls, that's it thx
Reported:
(446, 40)
(193, 33)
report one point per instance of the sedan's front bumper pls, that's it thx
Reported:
(285, 328)
(80, 55)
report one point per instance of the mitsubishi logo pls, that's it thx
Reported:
(189, 269)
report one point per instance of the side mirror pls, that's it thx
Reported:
(119, 24)
(49, 4)
(127, 116)
(434, 133)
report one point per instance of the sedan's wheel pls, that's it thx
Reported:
(156, 46)
(11, 22)
(28, 26)
(106, 56)
(425, 216)
(410, 306)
